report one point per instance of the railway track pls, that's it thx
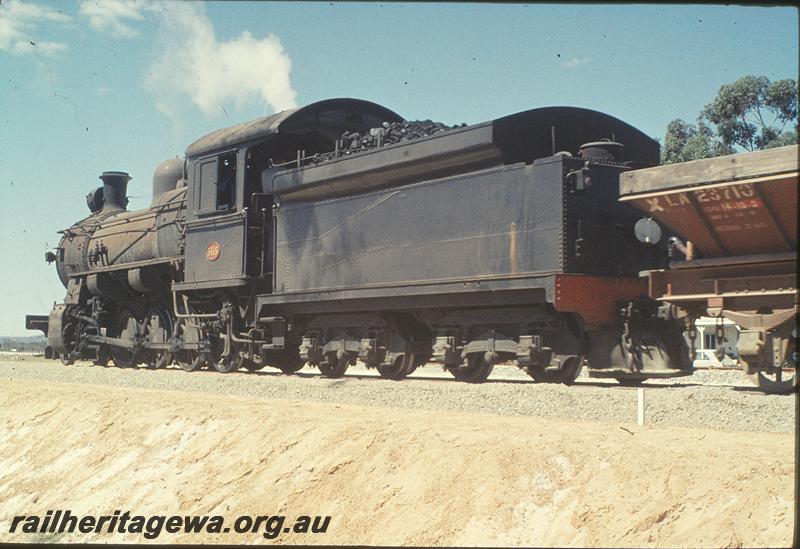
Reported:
(708, 399)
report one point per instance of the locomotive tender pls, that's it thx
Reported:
(271, 245)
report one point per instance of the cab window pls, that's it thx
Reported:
(226, 182)
(215, 183)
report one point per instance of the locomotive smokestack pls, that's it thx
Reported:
(115, 185)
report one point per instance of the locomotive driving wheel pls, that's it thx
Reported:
(334, 366)
(251, 365)
(157, 329)
(223, 364)
(226, 364)
(126, 328)
(102, 356)
(251, 361)
(69, 333)
(475, 369)
(188, 359)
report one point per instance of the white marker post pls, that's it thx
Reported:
(640, 406)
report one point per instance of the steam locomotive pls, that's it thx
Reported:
(271, 244)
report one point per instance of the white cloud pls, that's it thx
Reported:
(575, 62)
(18, 27)
(192, 63)
(112, 16)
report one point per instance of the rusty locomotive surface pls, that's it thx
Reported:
(272, 244)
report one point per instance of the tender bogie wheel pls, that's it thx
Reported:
(125, 327)
(333, 366)
(571, 369)
(540, 376)
(289, 362)
(567, 375)
(419, 362)
(402, 366)
(630, 381)
(475, 370)
(290, 368)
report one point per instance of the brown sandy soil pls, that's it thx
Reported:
(385, 476)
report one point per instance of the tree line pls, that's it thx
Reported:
(749, 114)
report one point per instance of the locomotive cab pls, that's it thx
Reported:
(229, 216)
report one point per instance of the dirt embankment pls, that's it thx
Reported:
(385, 476)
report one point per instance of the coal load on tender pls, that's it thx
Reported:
(388, 133)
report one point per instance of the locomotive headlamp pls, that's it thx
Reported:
(647, 231)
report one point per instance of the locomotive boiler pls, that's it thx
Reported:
(277, 242)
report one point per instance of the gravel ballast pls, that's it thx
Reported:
(723, 400)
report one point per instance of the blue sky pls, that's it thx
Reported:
(122, 85)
